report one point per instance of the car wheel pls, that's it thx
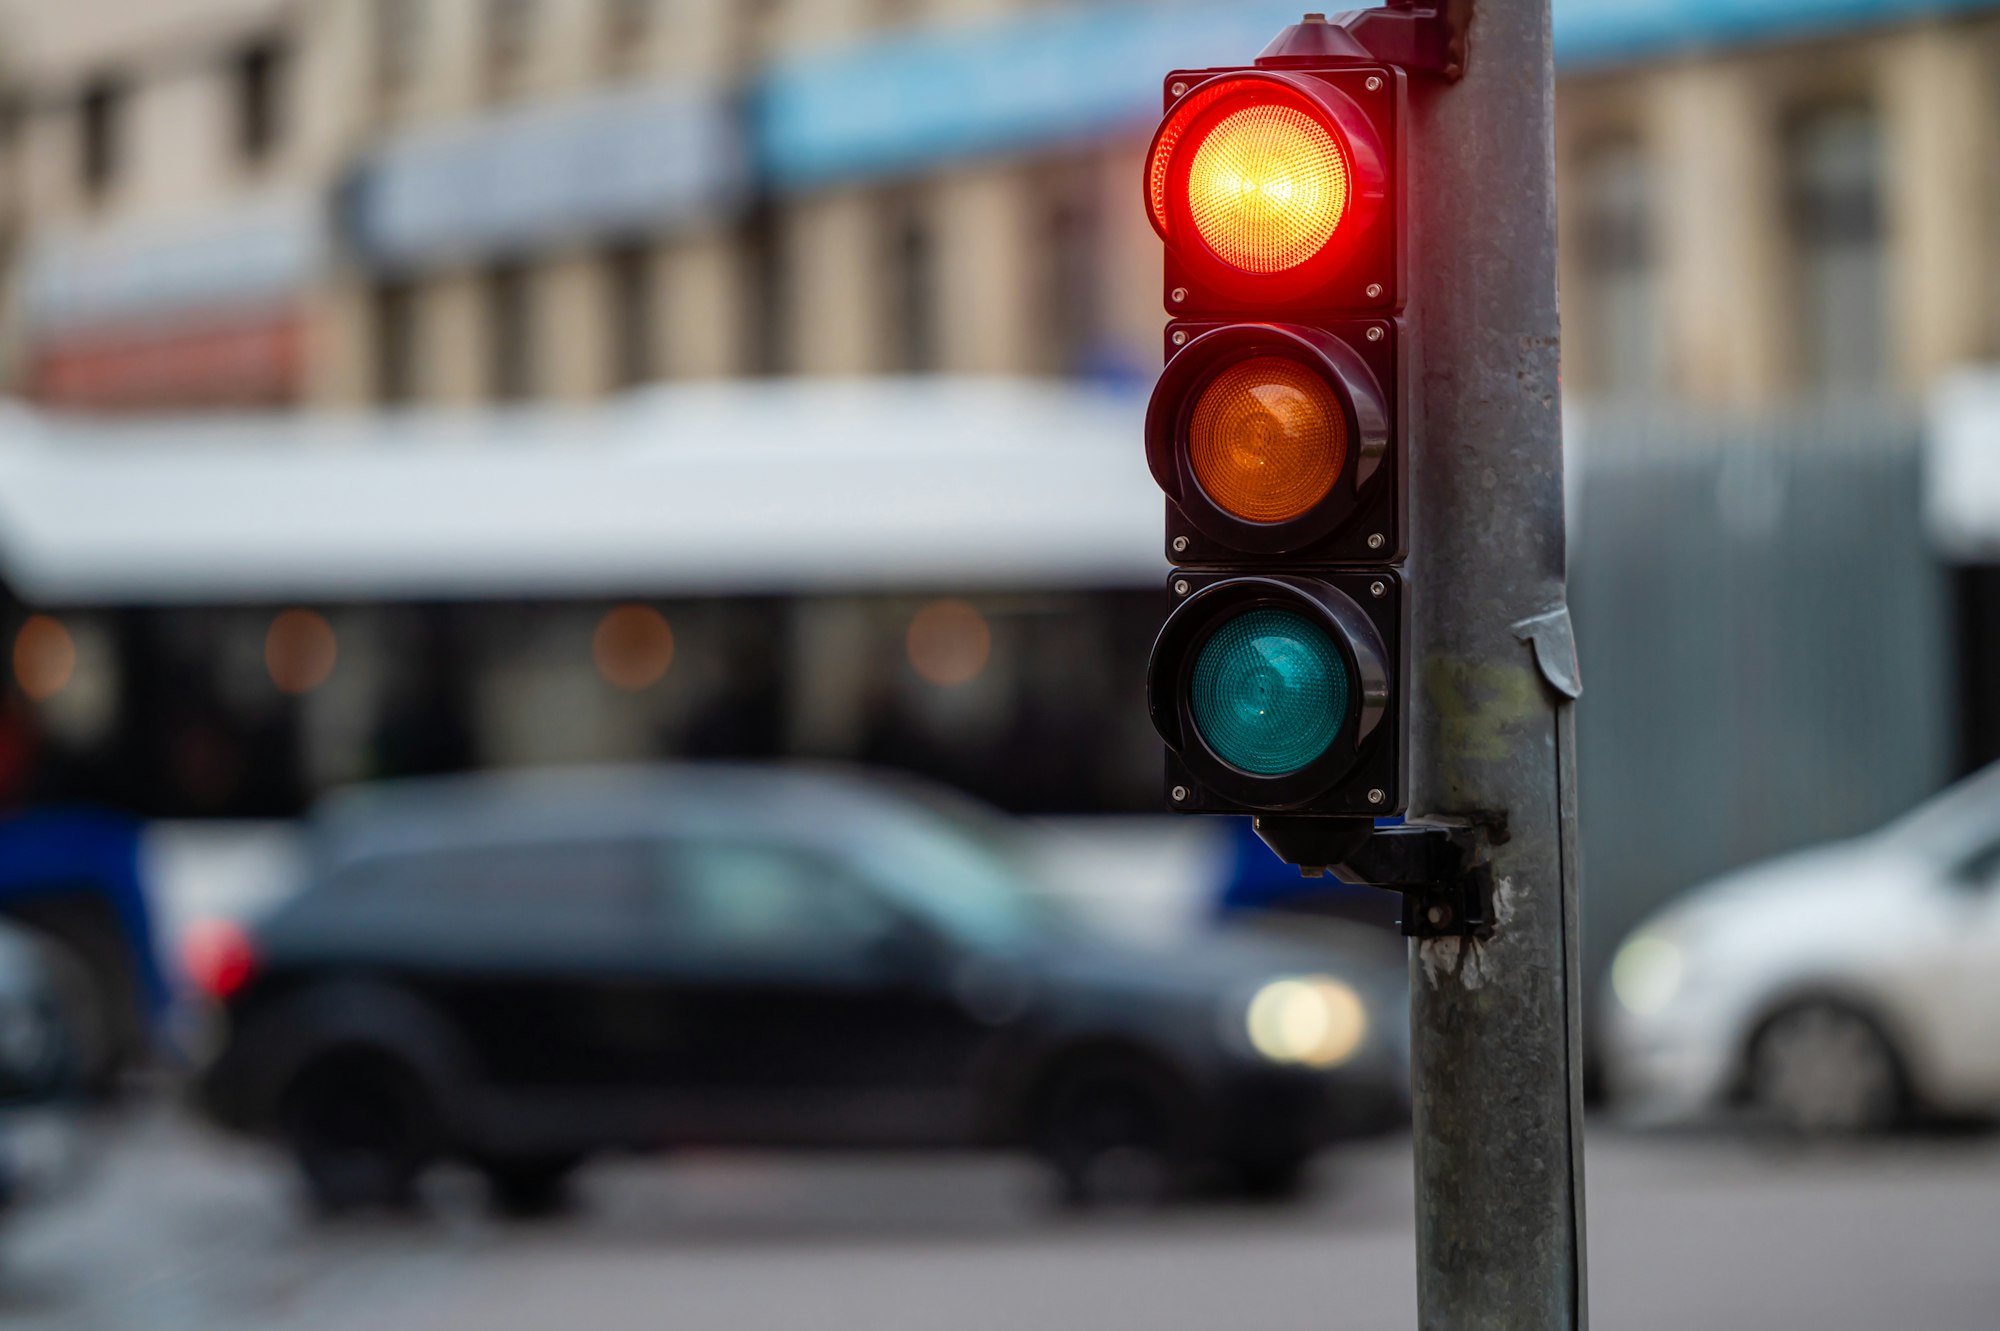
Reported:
(361, 1130)
(530, 1186)
(1113, 1135)
(1824, 1069)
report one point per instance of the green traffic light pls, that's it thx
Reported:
(1270, 691)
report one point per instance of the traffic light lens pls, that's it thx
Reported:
(1267, 187)
(1269, 692)
(1267, 439)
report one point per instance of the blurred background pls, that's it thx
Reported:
(409, 388)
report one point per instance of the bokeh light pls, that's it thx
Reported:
(1317, 1020)
(949, 642)
(44, 657)
(633, 647)
(299, 651)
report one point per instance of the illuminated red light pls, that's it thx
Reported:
(218, 958)
(1267, 187)
(1258, 176)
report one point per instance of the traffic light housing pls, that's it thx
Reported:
(1277, 432)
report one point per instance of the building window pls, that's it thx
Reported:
(510, 41)
(765, 273)
(1834, 158)
(399, 40)
(395, 319)
(628, 27)
(1072, 274)
(628, 276)
(754, 31)
(1619, 307)
(259, 77)
(510, 330)
(99, 130)
(912, 303)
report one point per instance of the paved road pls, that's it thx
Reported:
(178, 1231)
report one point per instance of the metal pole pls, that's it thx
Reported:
(1496, 1061)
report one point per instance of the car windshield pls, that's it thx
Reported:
(958, 868)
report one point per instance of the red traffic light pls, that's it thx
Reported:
(1260, 178)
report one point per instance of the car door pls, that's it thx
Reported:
(533, 948)
(818, 1012)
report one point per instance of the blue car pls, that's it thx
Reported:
(71, 877)
(1258, 881)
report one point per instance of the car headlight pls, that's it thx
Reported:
(1646, 974)
(1313, 1020)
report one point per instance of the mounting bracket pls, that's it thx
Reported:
(1441, 870)
(1421, 36)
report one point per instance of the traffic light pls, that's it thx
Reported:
(1277, 432)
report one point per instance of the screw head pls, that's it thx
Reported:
(1180, 794)
(1180, 545)
(1438, 915)
(1180, 586)
(1180, 337)
(1374, 83)
(1178, 89)
(1179, 295)
(1376, 796)
(1374, 291)
(1376, 541)
(1376, 334)
(1378, 589)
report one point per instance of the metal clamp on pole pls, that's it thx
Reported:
(1421, 36)
(1441, 871)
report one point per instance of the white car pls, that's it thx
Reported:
(1841, 989)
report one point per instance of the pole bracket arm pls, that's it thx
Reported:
(1420, 36)
(1442, 870)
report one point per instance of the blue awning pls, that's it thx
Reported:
(1596, 32)
(901, 103)
(905, 102)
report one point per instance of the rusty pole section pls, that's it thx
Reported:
(1496, 1059)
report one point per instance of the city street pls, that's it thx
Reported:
(175, 1230)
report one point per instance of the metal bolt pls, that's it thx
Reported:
(1439, 915)
(1180, 586)
(1376, 541)
(1374, 291)
(1374, 83)
(1378, 589)
(1180, 794)
(1376, 334)
(1180, 545)
(1180, 294)
(1178, 89)
(1180, 337)
(1376, 797)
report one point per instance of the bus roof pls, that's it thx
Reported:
(731, 488)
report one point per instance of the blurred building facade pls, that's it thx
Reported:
(354, 202)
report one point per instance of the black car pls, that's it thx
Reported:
(523, 970)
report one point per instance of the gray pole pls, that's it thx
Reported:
(1496, 1061)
